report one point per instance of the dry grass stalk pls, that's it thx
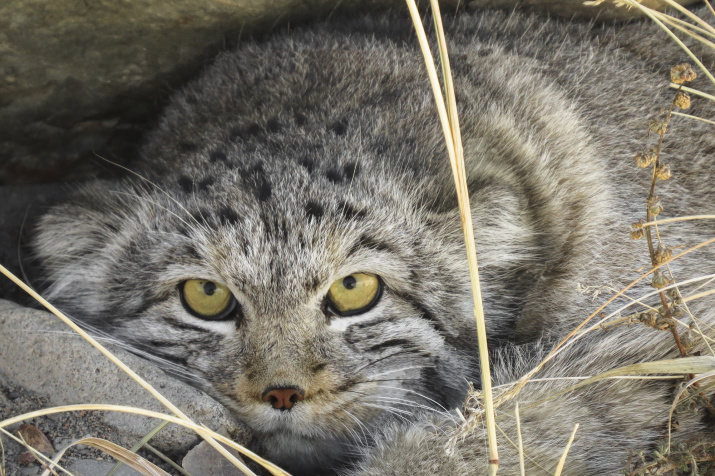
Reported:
(140, 444)
(166, 459)
(39, 456)
(205, 433)
(560, 466)
(693, 117)
(272, 468)
(522, 469)
(450, 128)
(117, 452)
(2, 458)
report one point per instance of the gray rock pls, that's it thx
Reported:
(89, 467)
(39, 353)
(204, 459)
(79, 78)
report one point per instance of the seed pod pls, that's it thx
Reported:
(643, 159)
(637, 233)
(674, 295)
(638, 224)
(663, 254)
(663, 172)
(682, 73)
(676, 311)
(658, 127)
(655, 206)
(659, 280)
(688, 340)
(682, 100)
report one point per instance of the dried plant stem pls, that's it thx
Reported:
(649, 13)
(560, 466)
(669, 20)
(693, 91)
(272, 468)
(166, 459)
(648, 233)
(566, 341)
(39, 456)
(450, 128)
(143, 383)
(693, 117)
(138, 446)
(519, 441)
(676, 219)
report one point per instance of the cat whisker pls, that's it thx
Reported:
(401, 370)
(361, 425)
(412, 404)
(399, 352)
(419, 395)
(394, 411)
(168, 195)
(147, 199)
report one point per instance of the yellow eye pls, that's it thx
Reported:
(207, 299)
(354, 294)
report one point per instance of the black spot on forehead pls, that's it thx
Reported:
(186, 184)
(245, 133)
(188, 147)
(257, 180)
(254, 129)
(350, 212)
(202, 216)
(300, 119)
(351, 169)
(334, 175)
(369, 242)
(264, 191)
(274, 125)
(339, 127)
(217, 156)
(314, 210)
(227, 216)
(308, 163)
(205, 183)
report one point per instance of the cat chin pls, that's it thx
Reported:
(301, 455)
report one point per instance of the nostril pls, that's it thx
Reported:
(282, 398)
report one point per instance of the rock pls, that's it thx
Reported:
(30, 471)
(92, 75)
(38, 353)
(27, 458)
(89, 467)
(204, 459)
(35, 438)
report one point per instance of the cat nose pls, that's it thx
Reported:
(282, 398)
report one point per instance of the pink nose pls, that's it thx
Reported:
(282, 398)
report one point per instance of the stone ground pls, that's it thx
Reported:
(43, 365)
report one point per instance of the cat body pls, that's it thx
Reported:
(316, 155)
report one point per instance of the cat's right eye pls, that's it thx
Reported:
(207, 299)
(354, 294)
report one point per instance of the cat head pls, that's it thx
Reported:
(312, 307)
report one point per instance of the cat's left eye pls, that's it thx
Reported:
(354, 294)
(207, 299)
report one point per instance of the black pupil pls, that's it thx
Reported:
(209, 288)
(349, 282)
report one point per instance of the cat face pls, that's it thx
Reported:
(314, 310)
